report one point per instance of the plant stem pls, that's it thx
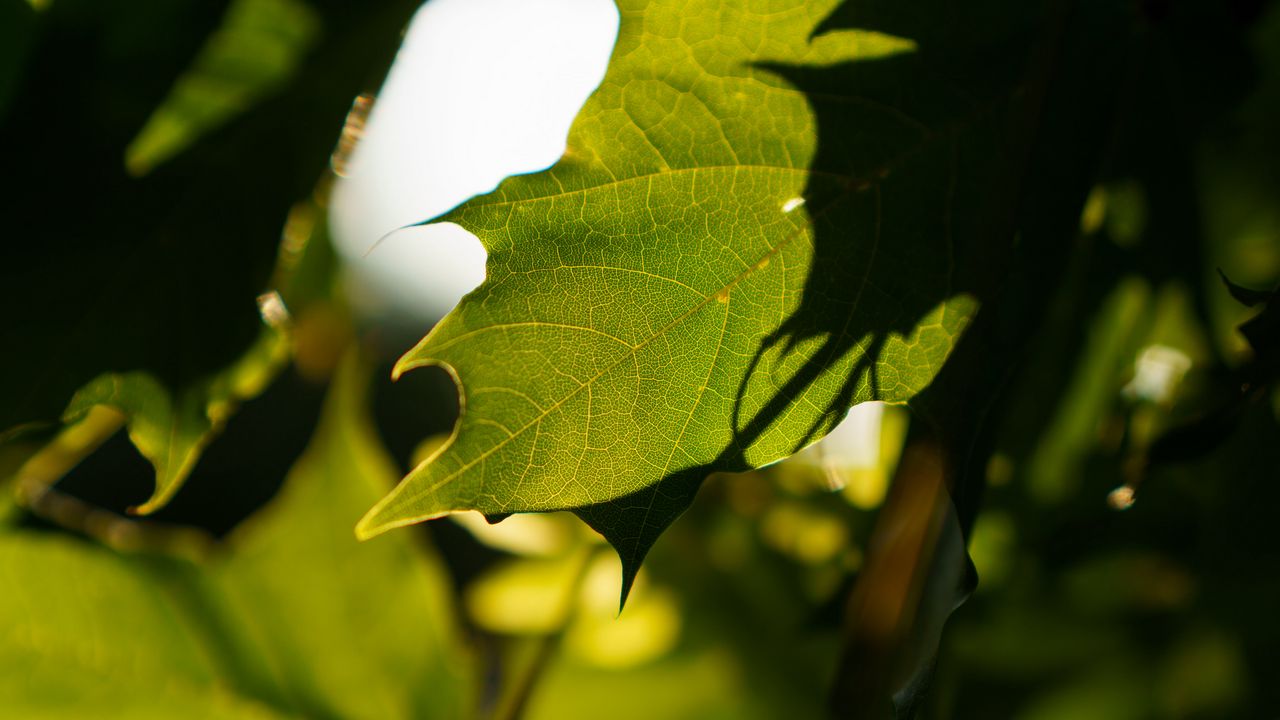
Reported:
(518, 700)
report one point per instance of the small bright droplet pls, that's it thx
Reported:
(1121, 498)
(792, 204)
(273, 310)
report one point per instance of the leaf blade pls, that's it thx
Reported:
(644, 320)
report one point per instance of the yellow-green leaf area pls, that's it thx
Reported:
(701, 283)
(290, 617)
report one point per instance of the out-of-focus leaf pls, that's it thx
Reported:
(140, 291)
(1112, 342)
(87, 633)
(254, 52)
(1245, 296)
(678, 650)
(296, 619)
(366, 630)
(171, 431)
(1262, 331)
(695, 684)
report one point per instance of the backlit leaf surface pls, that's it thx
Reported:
(753, 228)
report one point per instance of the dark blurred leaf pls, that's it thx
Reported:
(171, 430)
(1246, 296)
(1263, 329)
(146, 285)
(254, 53)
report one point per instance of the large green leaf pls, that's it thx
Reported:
(294, 618)
(752, 229)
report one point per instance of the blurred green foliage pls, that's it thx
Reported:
(248, 595)
(286, 617)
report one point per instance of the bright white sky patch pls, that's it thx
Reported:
(481, 89)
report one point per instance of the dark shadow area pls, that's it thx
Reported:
(959, 168)
(106, 271)
(1174, 73)
(410, 410)
(919, 141)
(909, 181)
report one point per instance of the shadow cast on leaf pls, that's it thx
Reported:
(909, 149)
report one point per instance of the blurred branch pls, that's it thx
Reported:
(516, 701)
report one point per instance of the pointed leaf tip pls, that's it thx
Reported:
(375, 522)
(366, 529)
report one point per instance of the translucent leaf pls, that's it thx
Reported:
(752, 229)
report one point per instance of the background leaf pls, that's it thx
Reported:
(154, 277)
(295, 618)
(172, 431)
